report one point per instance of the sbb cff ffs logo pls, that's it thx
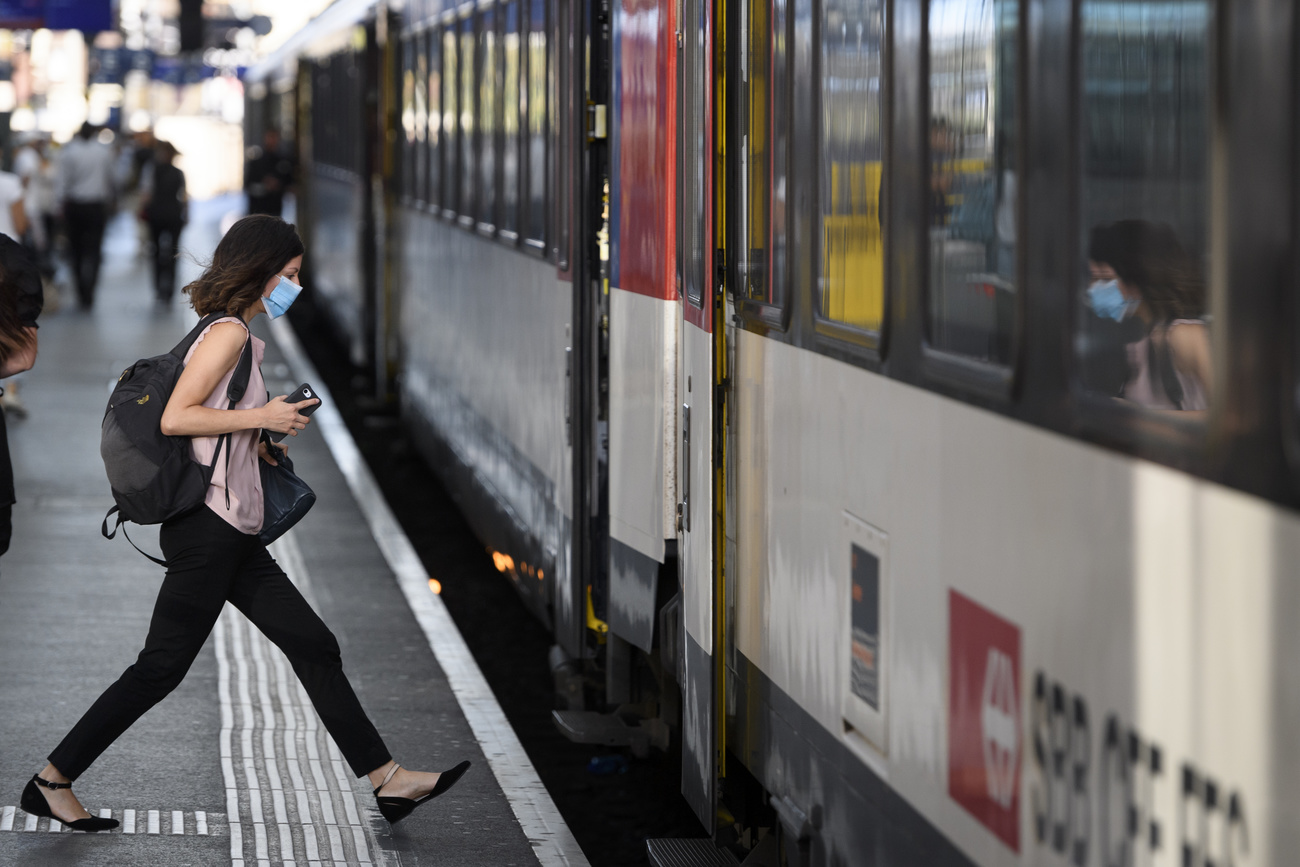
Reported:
(984, 731)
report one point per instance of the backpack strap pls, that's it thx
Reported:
(234, 391)
(121, 523)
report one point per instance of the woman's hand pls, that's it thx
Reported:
(284, 417)
(268, 454)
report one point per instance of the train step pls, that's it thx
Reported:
(611, 730)
(688, 852)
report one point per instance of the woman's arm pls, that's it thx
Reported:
(186, 415)
(1189, 348)
(18, 214)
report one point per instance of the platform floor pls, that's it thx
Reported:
(233, 768)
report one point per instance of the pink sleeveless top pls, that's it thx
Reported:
(236, 473)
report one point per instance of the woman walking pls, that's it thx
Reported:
(213, 552)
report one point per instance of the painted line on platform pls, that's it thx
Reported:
(283, 801)
(553, 843)
(151, 822)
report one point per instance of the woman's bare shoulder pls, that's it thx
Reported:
(222, 339)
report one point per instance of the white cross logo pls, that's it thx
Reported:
(1001, 735)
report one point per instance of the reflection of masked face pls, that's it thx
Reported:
(1108, 302)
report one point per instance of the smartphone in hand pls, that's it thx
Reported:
(301, 393)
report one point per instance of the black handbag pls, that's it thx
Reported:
(285, 497)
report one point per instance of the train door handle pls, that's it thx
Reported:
(568, 395)
(684, 507)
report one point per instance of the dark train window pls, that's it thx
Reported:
(421, 76)
(489, 109)
(508, 215)
(973, 142)
(694, 264)
(434, 44)
(1143, 334)
(451, 119)
(408, 116)
(852, 253)
(468, 98)
(761, 122)
(537, 130)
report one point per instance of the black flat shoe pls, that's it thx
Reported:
(34, 804)
(396, 809)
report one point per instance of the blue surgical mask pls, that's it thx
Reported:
(281, 298)
(1109, 302)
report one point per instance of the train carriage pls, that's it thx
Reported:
(755, 337)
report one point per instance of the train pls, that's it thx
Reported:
(754, 338)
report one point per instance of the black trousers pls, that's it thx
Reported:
(165, 238)
(210, 563)
(85, 222)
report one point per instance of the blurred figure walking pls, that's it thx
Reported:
(268, 176)
(84, 188)
(164, 206)
(34, 167)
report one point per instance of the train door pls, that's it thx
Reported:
(701, 742)
(583, 27)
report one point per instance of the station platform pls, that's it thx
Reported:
(234, 767)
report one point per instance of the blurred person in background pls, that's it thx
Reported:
(268, 175)
(34, 167)
(164, 207)
(18, 221)
(86, 192)
(21, 298)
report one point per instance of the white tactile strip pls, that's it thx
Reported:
(289, 794)
(552, 841)
(188, 823)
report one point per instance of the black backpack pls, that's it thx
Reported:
(154, 476)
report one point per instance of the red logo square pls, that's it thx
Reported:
(984, 728)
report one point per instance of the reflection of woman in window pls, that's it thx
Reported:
(1158, 284)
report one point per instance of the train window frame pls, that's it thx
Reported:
(467, 204)
(407, 106)
(434, 176)
(767, 316)
(507, 218)
(561, 167)
(830, 335)
(536, 245)
(487, 33)
(1151, 434)
(449, 26)
(987, 380)
(420, 177)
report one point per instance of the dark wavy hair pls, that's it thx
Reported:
(255, 249)
(1149, 257)
(20, 296)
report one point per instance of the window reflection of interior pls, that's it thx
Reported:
(507, 218)
(434, 41)
(1143, 333)
(488, 110)
(537, 113)
(468, 144)
(853, 262)
(451, 119)
(753, 228)
(408, 114)
(972, 141)
(421, 121)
